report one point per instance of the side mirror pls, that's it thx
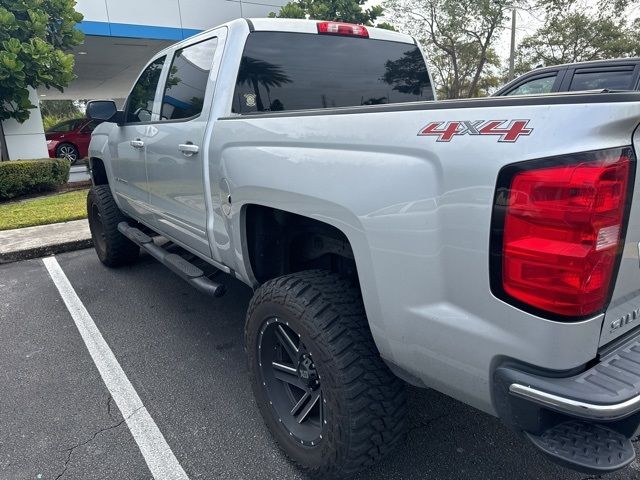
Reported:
(104, 110)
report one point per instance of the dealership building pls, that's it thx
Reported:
(120, 37)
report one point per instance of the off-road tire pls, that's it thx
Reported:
(113, 248)
(365, 404)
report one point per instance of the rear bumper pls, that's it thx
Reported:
(578, 408)
(606, 395)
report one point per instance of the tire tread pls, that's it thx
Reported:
(120, 250)
(375, 398)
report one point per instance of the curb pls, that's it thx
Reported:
(42, 240)
(44, 251)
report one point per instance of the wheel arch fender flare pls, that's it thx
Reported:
(334, 215)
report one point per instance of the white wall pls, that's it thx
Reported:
(203, 14)
(188, 14)
(26, 140)
(160, 13)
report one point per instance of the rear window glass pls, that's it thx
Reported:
(597, 80)
(294, 71)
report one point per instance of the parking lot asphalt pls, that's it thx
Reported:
(182, 352)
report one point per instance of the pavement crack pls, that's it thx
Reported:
(71, 449)
(66, 465)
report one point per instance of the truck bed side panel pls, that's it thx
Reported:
(417, 213)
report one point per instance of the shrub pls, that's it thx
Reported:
(22, 177)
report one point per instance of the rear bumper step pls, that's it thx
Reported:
(608, 391)
(584, 446)
(584, 419)
(188, 271)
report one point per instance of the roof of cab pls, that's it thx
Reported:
(311, 26)
(293, 25)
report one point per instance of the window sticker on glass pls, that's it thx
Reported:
(250, 99)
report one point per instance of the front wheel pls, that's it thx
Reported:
(325, 394)
(113, 248)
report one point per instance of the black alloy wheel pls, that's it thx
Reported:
(291, 380)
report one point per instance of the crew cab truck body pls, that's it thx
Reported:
(484, 248)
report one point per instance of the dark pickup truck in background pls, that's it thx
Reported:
(618, 74)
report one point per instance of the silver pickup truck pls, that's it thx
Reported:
(486, 248)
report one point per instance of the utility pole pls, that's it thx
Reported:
(512, 57)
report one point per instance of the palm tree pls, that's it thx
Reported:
(258, 72)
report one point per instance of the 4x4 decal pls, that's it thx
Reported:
(508, 131)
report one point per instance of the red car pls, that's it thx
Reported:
(70, 139)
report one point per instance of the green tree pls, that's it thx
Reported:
(459, 37)
(35, 36)
(56, 111)
(60, 108)
(350, 11)
(580, 30)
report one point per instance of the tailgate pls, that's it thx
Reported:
(623, 314)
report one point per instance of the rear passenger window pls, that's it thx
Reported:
(293, 71)
(602, 79)
(537, 86)
(187, 81)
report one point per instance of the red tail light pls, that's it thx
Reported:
(339, 28)
(557, 231)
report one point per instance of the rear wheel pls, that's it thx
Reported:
(113, 248)
(326, 395)
(68, 151)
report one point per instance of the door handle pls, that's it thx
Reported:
(137, 143)
(188, 149)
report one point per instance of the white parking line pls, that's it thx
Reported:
(154, 448)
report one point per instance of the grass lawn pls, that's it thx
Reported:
(60, 207)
